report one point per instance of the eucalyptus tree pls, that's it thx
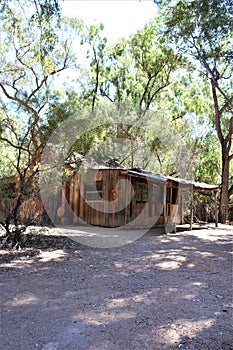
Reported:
(154, 63)
(139, 68)
(90, 74)
(34, 50)
(202, 31)
(134, 73)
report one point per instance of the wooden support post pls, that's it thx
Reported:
(165, 207)
(216, 207)
(191, 210)
(182, 207)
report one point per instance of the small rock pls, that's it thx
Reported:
(219, 296)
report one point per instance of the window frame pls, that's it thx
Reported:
(92, 188)
(172, 195)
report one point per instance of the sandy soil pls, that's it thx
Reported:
(160, 292)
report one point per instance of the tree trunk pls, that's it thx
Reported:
(225, 149)
(224, 200)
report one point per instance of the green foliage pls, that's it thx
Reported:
(33, 50)
(139, 68)
(91, 37)
(144, 73)
(10, 135)
(202, 30)
(208, 167)
(8, 160)
(202, 22)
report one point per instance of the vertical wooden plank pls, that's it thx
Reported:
(133, 209)
(110, 180)
(71, 199)
(127, 194)
(105, 194)
(81, 179)
(114, 198)
(122, 199)
(75, 197)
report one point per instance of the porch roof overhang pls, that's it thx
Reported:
(196, 186)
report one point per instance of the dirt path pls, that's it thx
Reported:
(159, 292)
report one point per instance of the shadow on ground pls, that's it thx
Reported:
(160, 292)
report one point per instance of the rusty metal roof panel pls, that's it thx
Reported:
(159, 178)
(198, 186)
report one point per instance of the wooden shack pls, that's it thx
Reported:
(115, 197)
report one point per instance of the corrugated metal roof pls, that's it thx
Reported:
(204, 186)
(201, 186)
(197, 186)
(159, 178)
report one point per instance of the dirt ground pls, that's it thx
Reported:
(166, 292)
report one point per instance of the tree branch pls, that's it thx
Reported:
(17, 99)
(228, 138)
(214, 79)
(44, 80)
(155, 93)
(12, 144)
(108, 97)
(225, 106)
(217, 116)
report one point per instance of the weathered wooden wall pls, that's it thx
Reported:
(119, 205)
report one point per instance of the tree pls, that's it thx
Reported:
(33, 51)
(154, 63)
(70, 106)
(130, 75)
(138, 69)
(202, 30)
(97, 45)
